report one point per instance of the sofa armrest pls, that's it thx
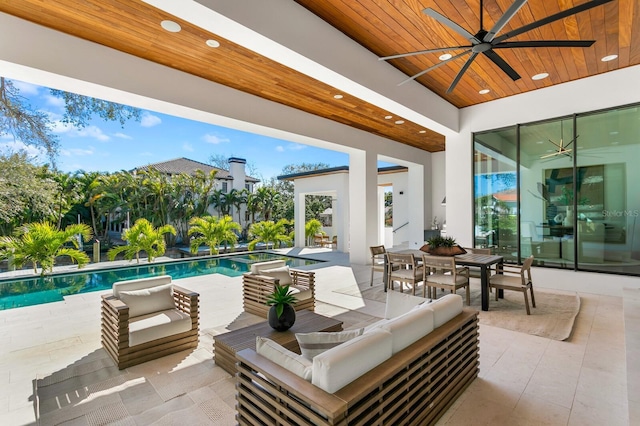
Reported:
(187, 301)
(315, 402)
(305, 278)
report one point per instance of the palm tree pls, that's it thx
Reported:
(142, 236)
(268, 232)
(311, 228)
(211, 231)
(41, 242)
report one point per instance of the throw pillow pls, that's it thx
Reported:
(148, 300)
(281, 274)
(312, 344)
(297, 364)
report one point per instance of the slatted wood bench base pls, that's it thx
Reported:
(415, 387)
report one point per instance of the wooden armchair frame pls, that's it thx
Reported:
(519, 280)
(447, 275)
(115, 331)
(256, 289)
(404, 269)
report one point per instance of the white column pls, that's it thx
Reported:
(298, 216)
(381, 210)
(420, 195)
(363, 205)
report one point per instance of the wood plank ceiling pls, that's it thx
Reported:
(385, 28)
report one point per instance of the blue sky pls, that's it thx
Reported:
(108, 147)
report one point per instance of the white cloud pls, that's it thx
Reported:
(215, 139)
(26, 88)
(149, 120)
(37, 153)
(290, 147)
(54, 101)
(187, 147)
(93, 132)
(122, 136)
(77, 152)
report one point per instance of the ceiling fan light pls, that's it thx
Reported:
(609, 58)
(444, 56)
(540, 76)
(171, 26)
(484, 91)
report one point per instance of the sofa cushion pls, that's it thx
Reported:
(157, 325)
(148, 300)
(297, 364)
(445, 308)
(271, 264)
(408, 328)
(312, 344)
(341, 365)
(399, 303)
(282, 274)
(139, 284)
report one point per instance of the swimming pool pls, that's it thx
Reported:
(16, 293)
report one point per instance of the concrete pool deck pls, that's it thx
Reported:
(523, 379)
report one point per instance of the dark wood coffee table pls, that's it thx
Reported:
(226, 345)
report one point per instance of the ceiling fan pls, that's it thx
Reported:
(486, 41)
(561, 148)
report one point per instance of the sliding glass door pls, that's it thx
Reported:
(566, 191)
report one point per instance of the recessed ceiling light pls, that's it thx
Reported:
(609, 58)
(550, 150)
(213, 43)
(445, 56)
(540, 76)
(388, 117)
(615, 143)
(338, 96)
(484, 91)
(613, 133)
(540, 142)
(400, 122)
(422, 131)
(172, 27)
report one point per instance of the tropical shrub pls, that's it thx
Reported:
(211, 231)
(268, 232)
(41, 243)
(143, 236)
(311, 228)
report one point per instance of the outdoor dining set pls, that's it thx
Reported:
(411, 268)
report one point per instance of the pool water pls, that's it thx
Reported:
(16, 293)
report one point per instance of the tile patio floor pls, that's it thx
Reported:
(524, 379)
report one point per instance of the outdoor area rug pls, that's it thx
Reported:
(553, 317)
(184, 388)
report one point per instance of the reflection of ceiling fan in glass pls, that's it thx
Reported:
(561, 148)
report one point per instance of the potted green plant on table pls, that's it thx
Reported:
(442, 246)
(281, 315)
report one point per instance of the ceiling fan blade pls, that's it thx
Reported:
(544, 43)
(466, 65)
(504, 19)
(449, 23)
(552, 18)
(502, 64)
(433, 67)
(420, 52)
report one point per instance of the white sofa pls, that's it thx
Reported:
(404, 369)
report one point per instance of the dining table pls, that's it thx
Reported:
(483, 261)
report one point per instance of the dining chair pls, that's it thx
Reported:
(516, 278)
(404, 269)
(442, 272)
(377, 260)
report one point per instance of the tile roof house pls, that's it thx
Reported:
(186, 165)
